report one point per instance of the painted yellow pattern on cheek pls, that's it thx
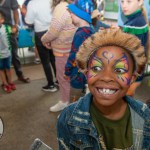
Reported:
(95, 67)
(123, 65)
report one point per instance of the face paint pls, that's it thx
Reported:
(109, 75)
(121, 68)
(108, 56)
(95, 65)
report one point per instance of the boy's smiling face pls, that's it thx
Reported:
(110, 72)
(130, 6)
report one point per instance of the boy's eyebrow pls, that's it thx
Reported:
(95, 57)
(124, 57)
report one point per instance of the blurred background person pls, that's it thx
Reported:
(96, 21)
(136, 24)
(23, 10)
(59, 37)
(39, 14)
(10, 10)
(5, 55)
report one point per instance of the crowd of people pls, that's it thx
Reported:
(73, 42)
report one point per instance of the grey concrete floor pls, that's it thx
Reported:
(25, 112)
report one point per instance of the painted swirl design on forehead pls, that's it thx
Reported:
(108, 55)
(122, 65)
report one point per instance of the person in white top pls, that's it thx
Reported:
(39, 15)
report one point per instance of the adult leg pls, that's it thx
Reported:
(16, 61)
(45, 58)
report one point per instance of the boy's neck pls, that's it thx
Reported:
(113, 112)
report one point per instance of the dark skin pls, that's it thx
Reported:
(110, 73)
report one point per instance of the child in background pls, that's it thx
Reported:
(59, 39)
(137, 24)
(82, 20)
(107, 119)
(5, 55)
(96, 22)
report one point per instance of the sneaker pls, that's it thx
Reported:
(58, 107)
(49, 88)
(6, 88)
(37, 61)
(12, 86)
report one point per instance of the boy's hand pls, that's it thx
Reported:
(47, 45)
(66, 77)
(14, 29)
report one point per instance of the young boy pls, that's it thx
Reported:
(136, 24)
(5, 56)
(82, 20)
(106, 118)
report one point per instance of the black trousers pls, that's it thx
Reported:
(47, 57)
(15, 58)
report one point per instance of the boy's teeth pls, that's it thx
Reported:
(107, 91)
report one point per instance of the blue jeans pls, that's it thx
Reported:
(5, 63)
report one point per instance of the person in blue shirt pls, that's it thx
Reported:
(136, 24)
(111, 60)
(122, 18)
(82, 20)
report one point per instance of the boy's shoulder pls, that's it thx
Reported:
(82, 31)
(139, 107)
(138, 21)
(82, 105)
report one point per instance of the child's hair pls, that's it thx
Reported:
(2, 15)
(112, 37)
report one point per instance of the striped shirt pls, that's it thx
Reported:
(137, 26)
(5, 45)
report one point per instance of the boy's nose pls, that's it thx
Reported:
(107, 75)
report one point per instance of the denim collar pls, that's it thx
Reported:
(81, 113)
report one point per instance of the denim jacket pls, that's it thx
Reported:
(77, 131)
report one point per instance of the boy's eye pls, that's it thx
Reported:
(96, 68)
(120, 70)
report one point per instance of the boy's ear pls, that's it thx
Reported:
(141, 2)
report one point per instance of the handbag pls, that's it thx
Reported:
(25, 37)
